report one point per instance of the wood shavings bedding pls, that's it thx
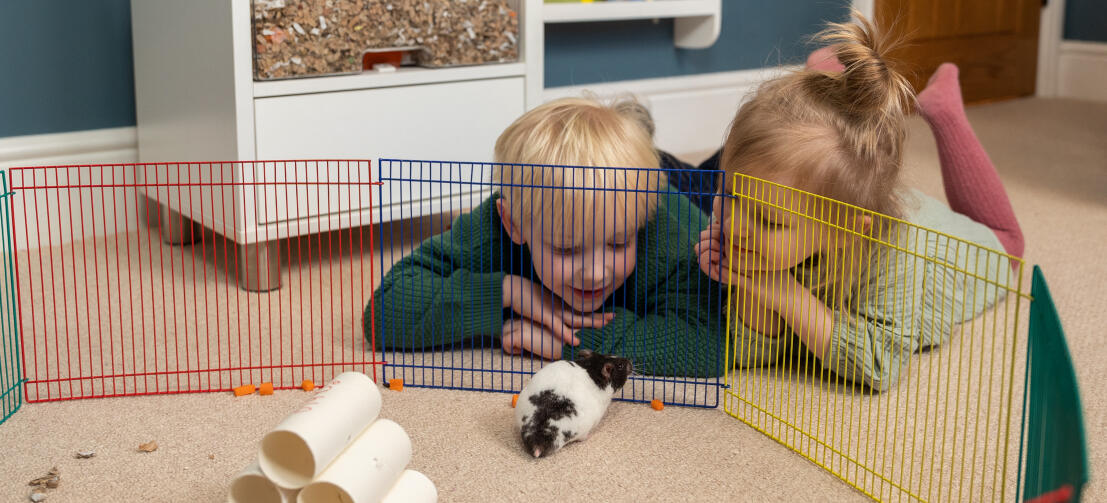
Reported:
(296, 38)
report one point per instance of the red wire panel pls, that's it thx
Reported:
(139, 279)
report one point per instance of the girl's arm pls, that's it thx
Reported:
(806, 315)
(868, 346)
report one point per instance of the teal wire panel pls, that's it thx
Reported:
(11, 376)
(1056, 449)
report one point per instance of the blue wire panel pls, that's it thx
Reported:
(493, 270)
(11, 376)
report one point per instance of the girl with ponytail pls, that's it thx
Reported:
(837, 281)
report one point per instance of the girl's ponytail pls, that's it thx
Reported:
(868, 82)
(869, 92)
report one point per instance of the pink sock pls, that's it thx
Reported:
(971, 182)
(824, 60)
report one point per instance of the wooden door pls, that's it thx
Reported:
(994, 42)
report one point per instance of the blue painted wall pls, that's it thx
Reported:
(1086, 20)
(65, 65)
(755, 33)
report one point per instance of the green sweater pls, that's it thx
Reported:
(448, 294)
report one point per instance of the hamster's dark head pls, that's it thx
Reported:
(605, 369)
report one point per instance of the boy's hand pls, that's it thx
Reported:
(522, 334)
(529, 300)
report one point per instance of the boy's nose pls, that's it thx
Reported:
(596, 269)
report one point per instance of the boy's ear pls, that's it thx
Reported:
(509, 225)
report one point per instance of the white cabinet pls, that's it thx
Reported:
(456, 121)
(196, 100)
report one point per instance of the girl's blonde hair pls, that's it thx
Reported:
(556, 165)
(838, 135)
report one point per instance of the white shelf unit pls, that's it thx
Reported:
(196, 100)
(696, 22)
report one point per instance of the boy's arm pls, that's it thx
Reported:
(447, 291)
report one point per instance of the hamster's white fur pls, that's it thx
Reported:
(561, 399)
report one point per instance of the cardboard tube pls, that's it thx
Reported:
(302, 446)
(413, 487)
(251, 486)
(366, 470)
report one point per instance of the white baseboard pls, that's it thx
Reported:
(1082, 71)
(692, 113)
(96, 146)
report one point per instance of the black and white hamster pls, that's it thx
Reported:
(566, 399)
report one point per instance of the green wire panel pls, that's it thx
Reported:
(1056, 454)
(11, 394)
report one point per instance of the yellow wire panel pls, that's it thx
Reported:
(881, 350)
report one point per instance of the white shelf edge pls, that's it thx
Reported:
(624, 10)
(405, 76)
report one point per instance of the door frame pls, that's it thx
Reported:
(1050, 34)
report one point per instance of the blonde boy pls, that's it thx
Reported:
(565, 256)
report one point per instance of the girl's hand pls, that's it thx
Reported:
(709, 251)
(540, 306)
(746, 299)
(523, 334)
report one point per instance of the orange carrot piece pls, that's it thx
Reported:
(245, 389)
(307, 385)
(266, 388)
(657, 404)
(396, 384)
(514, 400)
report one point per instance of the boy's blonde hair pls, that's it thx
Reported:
(555, 165)
(838, 135)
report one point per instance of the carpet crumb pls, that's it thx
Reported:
(50, 480)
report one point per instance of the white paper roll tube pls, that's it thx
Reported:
(366, 470)
(413, 487)
(251, 486)
(302, 445)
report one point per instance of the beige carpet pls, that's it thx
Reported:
(1050, 153)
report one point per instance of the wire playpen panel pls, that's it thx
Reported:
(129, 276)
(143, 279)
(1055, 457)
(11, 373)
(587, 243)
(916, 331)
